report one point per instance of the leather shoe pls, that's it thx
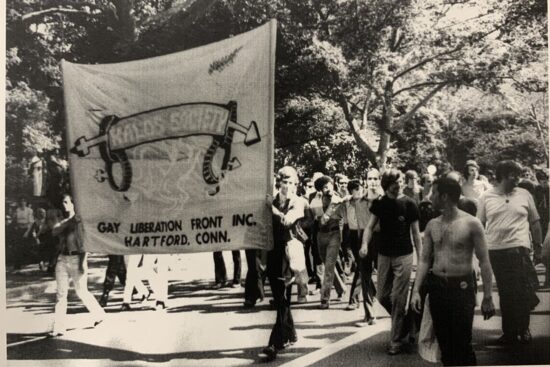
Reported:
(103, 300)
(352, 306)
(125, 307)
(324, 306)
(506, 340)
(526, 337)
(270, 352)
(393, 350)
(249, 304)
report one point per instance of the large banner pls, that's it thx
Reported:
(174, 153)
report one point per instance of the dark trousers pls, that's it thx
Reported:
(219, 267)
(347, 253)
(452, 303)
(115, 268)
(255, 276)
(514, 290)
(312, 247)
(363, 272)
(283, 331)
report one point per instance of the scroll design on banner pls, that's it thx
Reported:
(117, 134)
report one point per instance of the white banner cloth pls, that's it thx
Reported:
(175, 153)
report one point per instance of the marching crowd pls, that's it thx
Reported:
(382, 223)
(326, 230)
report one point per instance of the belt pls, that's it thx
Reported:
(328, 229)
(460, 282)
(70, 253)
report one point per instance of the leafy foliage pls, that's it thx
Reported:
(358, 83)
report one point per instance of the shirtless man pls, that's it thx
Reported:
(449, 243)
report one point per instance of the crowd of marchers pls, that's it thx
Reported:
(359, 237)
(462, 227)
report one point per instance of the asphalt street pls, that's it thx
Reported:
(206, 327)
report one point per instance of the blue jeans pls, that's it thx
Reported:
(394, 275)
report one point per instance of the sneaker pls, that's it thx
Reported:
(352, 306)
(324, 306)
(125, 307)
(55, 334)
(302, 299)
(393, 350)
(235, 284)
(371, 321)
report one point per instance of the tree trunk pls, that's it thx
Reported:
(126, 23)
(387, 125)
(355, 130)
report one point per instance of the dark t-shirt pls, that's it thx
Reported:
(395, 216)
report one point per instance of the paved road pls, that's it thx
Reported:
(204, 327)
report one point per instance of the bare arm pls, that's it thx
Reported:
(417, 239)
(424, 264)
(367, 235)
(482, 254)
(59, 227)
(536, 232)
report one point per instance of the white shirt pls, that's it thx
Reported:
(507, 218)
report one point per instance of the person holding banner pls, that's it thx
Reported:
(288, 211)
(71, 264)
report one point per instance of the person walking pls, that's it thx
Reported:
(288, 211)
(71, 265)
(399, 229)
(511, 221)
(450, 240)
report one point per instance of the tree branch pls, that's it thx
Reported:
(420, 104)
(427, 60)
(358, 138)
(40, 13)
(444, 53)
(419, 85)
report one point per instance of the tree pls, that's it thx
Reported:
(373, 72)
(369, 56)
